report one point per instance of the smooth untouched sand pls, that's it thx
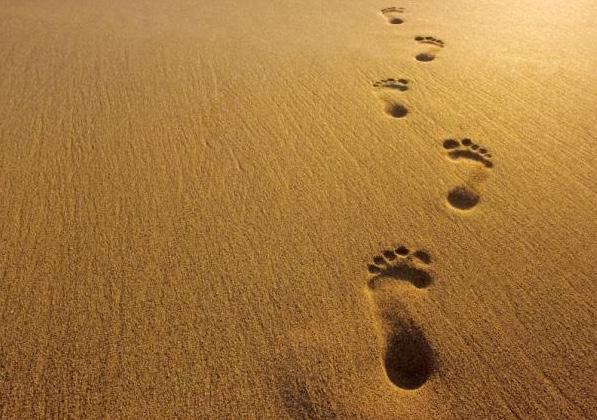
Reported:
(197, 195)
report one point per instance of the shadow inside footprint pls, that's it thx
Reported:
(401, 264)
(425, 57)
(463, 198)
(396, 110)
(391, 14)
(468, 154)
(391, 83)
(466, 149)
(419, 278)
(409, 360)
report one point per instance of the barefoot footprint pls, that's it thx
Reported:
(408, 358)
(465, 197)
(392, 14)
(392, 106)
(428, 40)
(466, 149)
(400, 84)
(400, 264)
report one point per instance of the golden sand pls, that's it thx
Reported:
(304, 209)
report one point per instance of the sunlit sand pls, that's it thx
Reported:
(311, 210)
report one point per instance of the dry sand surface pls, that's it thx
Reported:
(298, 209)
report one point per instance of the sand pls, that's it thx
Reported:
(217, 209)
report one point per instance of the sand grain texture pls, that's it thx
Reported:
(195, 196)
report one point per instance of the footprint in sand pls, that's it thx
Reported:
(387, 89)
(392, 14)
(465, 197)
(430, 54)
(408, 358)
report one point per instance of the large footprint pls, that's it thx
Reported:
(387, 91)
(467, 196)
(429, 55)
(392, 14)
(409, 360)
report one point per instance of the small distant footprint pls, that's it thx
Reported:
(408, 358)
(393, 107)
(400, 84)
(392, 14)
(465, 197)
(466, 149)
(430, 54)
